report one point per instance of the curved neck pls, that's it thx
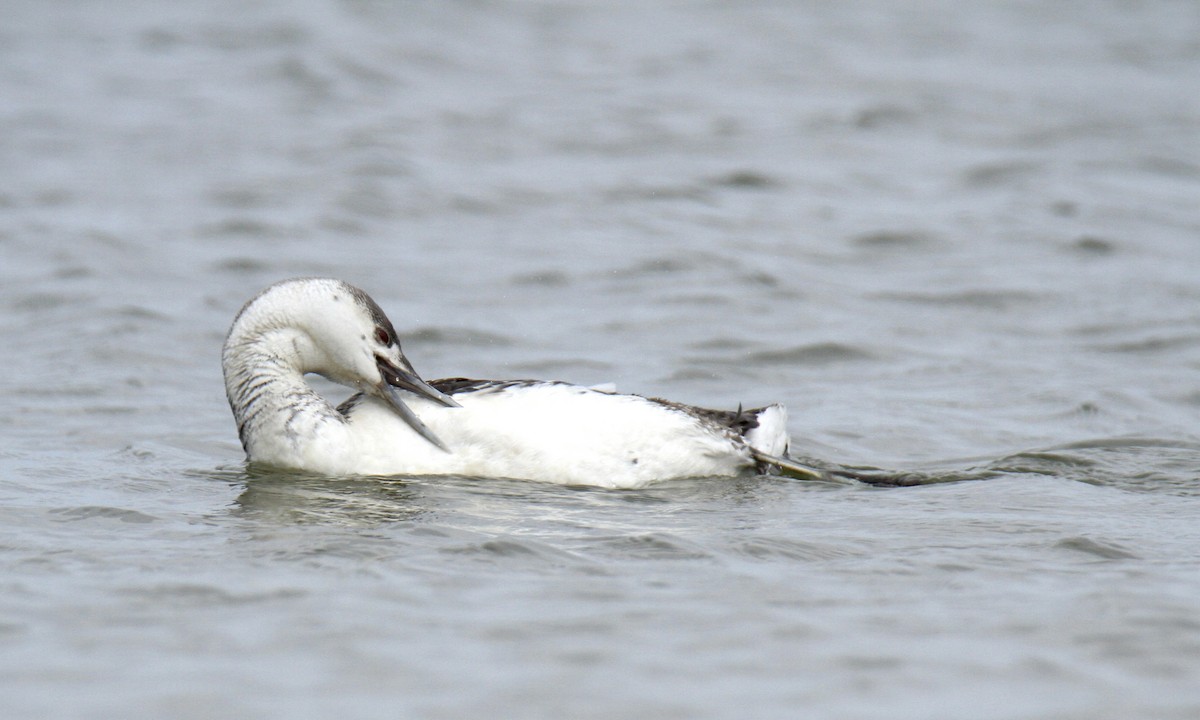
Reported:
(280, 418)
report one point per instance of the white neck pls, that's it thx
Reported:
(280, 418)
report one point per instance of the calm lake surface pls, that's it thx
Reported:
(960, 242)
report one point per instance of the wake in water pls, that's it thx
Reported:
(1131, 462)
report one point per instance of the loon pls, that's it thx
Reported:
(399, 424)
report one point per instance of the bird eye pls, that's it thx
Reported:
(383, 337)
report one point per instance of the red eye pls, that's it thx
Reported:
(382, 336)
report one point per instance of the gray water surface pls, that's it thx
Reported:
(960, 242)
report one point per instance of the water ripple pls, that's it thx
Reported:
(821, 353)
(1104, 550)
(653, 546)
(91, 512)
(1130, 463)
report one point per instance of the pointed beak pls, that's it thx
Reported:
(403, 377)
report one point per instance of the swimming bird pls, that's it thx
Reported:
(399, 424)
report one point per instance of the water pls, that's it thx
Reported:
(960, 242)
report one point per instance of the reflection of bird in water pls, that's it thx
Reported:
(290, 498)
(398, 424)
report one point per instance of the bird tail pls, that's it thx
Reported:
(770, 435)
